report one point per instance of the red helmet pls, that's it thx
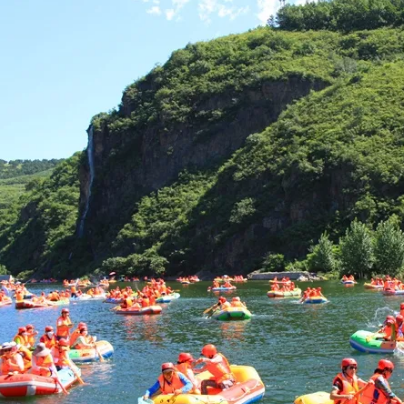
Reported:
(21, 329)
(400, 318)
(390, 318)
(81, 325)
(64, 342)
(401, 306)
(48, 328)
(385, 364)
(185, 357)
(390, 321)
(347, 362)
(29, 327)
(167, 366)
(65, 311)
(222, 299)
(209, 350)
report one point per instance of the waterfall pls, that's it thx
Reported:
(90, 156)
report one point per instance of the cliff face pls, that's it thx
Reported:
(128, 167)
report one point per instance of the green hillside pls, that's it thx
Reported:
(236, 155)
(13, 187)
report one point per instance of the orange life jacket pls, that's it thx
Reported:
(43, 364)
(169, 388)
(63, 359)
(62, 329)
(347, 388)
(49, 342)
(26, 355)
(20, 339)
(11, 364)
(31, 340)
(373, 395)
(220, 371)
(74, 336)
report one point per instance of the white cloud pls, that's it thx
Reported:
(177, 5)
(207, 8)
(154, 10)
(266, 8)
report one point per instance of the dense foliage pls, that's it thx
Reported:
(340, 15)
(36, 230)
(18, 168)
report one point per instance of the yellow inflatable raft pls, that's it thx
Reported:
(247, 389)
(321, 397)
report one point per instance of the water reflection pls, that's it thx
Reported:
(139, 328)
(233, 330)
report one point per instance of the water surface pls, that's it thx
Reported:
(297, 349)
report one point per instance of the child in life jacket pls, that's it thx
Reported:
(169, 382)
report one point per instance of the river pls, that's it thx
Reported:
(296, 349)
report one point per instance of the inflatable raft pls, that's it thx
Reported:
(372, 286)
(248, 389)
(221, 289)
(167, 298)
(291, 293)
(113, 300)
(32, 385)
(316, 300)
(138, 312)
(393, 292)
(104, 349)
(232, 314)
(369, 342)
(6, 301)
(29, 304)
(321, 397)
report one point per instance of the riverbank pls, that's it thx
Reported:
(301, 276)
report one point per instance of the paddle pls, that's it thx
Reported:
(372, 336)
(99, 353)
(210, 308)
(359, 392)
(73, 368)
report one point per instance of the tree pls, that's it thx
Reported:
(3, 270)
(357, 250)
(323, 257)
(389, 248)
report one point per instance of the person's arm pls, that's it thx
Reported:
(187, 385)
(152, 390)
(380, 383)
(336, 389)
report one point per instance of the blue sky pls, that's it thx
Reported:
(64, 61)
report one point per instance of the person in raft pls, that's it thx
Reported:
(389, 329)
(42, 361)
(346, 384)
(185, 366)
(84, 340)
(218, 366)
(62, 359)
(63, 325)
(379, 391)
(169, 382)
(11, 361)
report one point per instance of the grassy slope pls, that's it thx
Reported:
(12, 188)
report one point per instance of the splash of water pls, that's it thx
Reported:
(90, 156)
